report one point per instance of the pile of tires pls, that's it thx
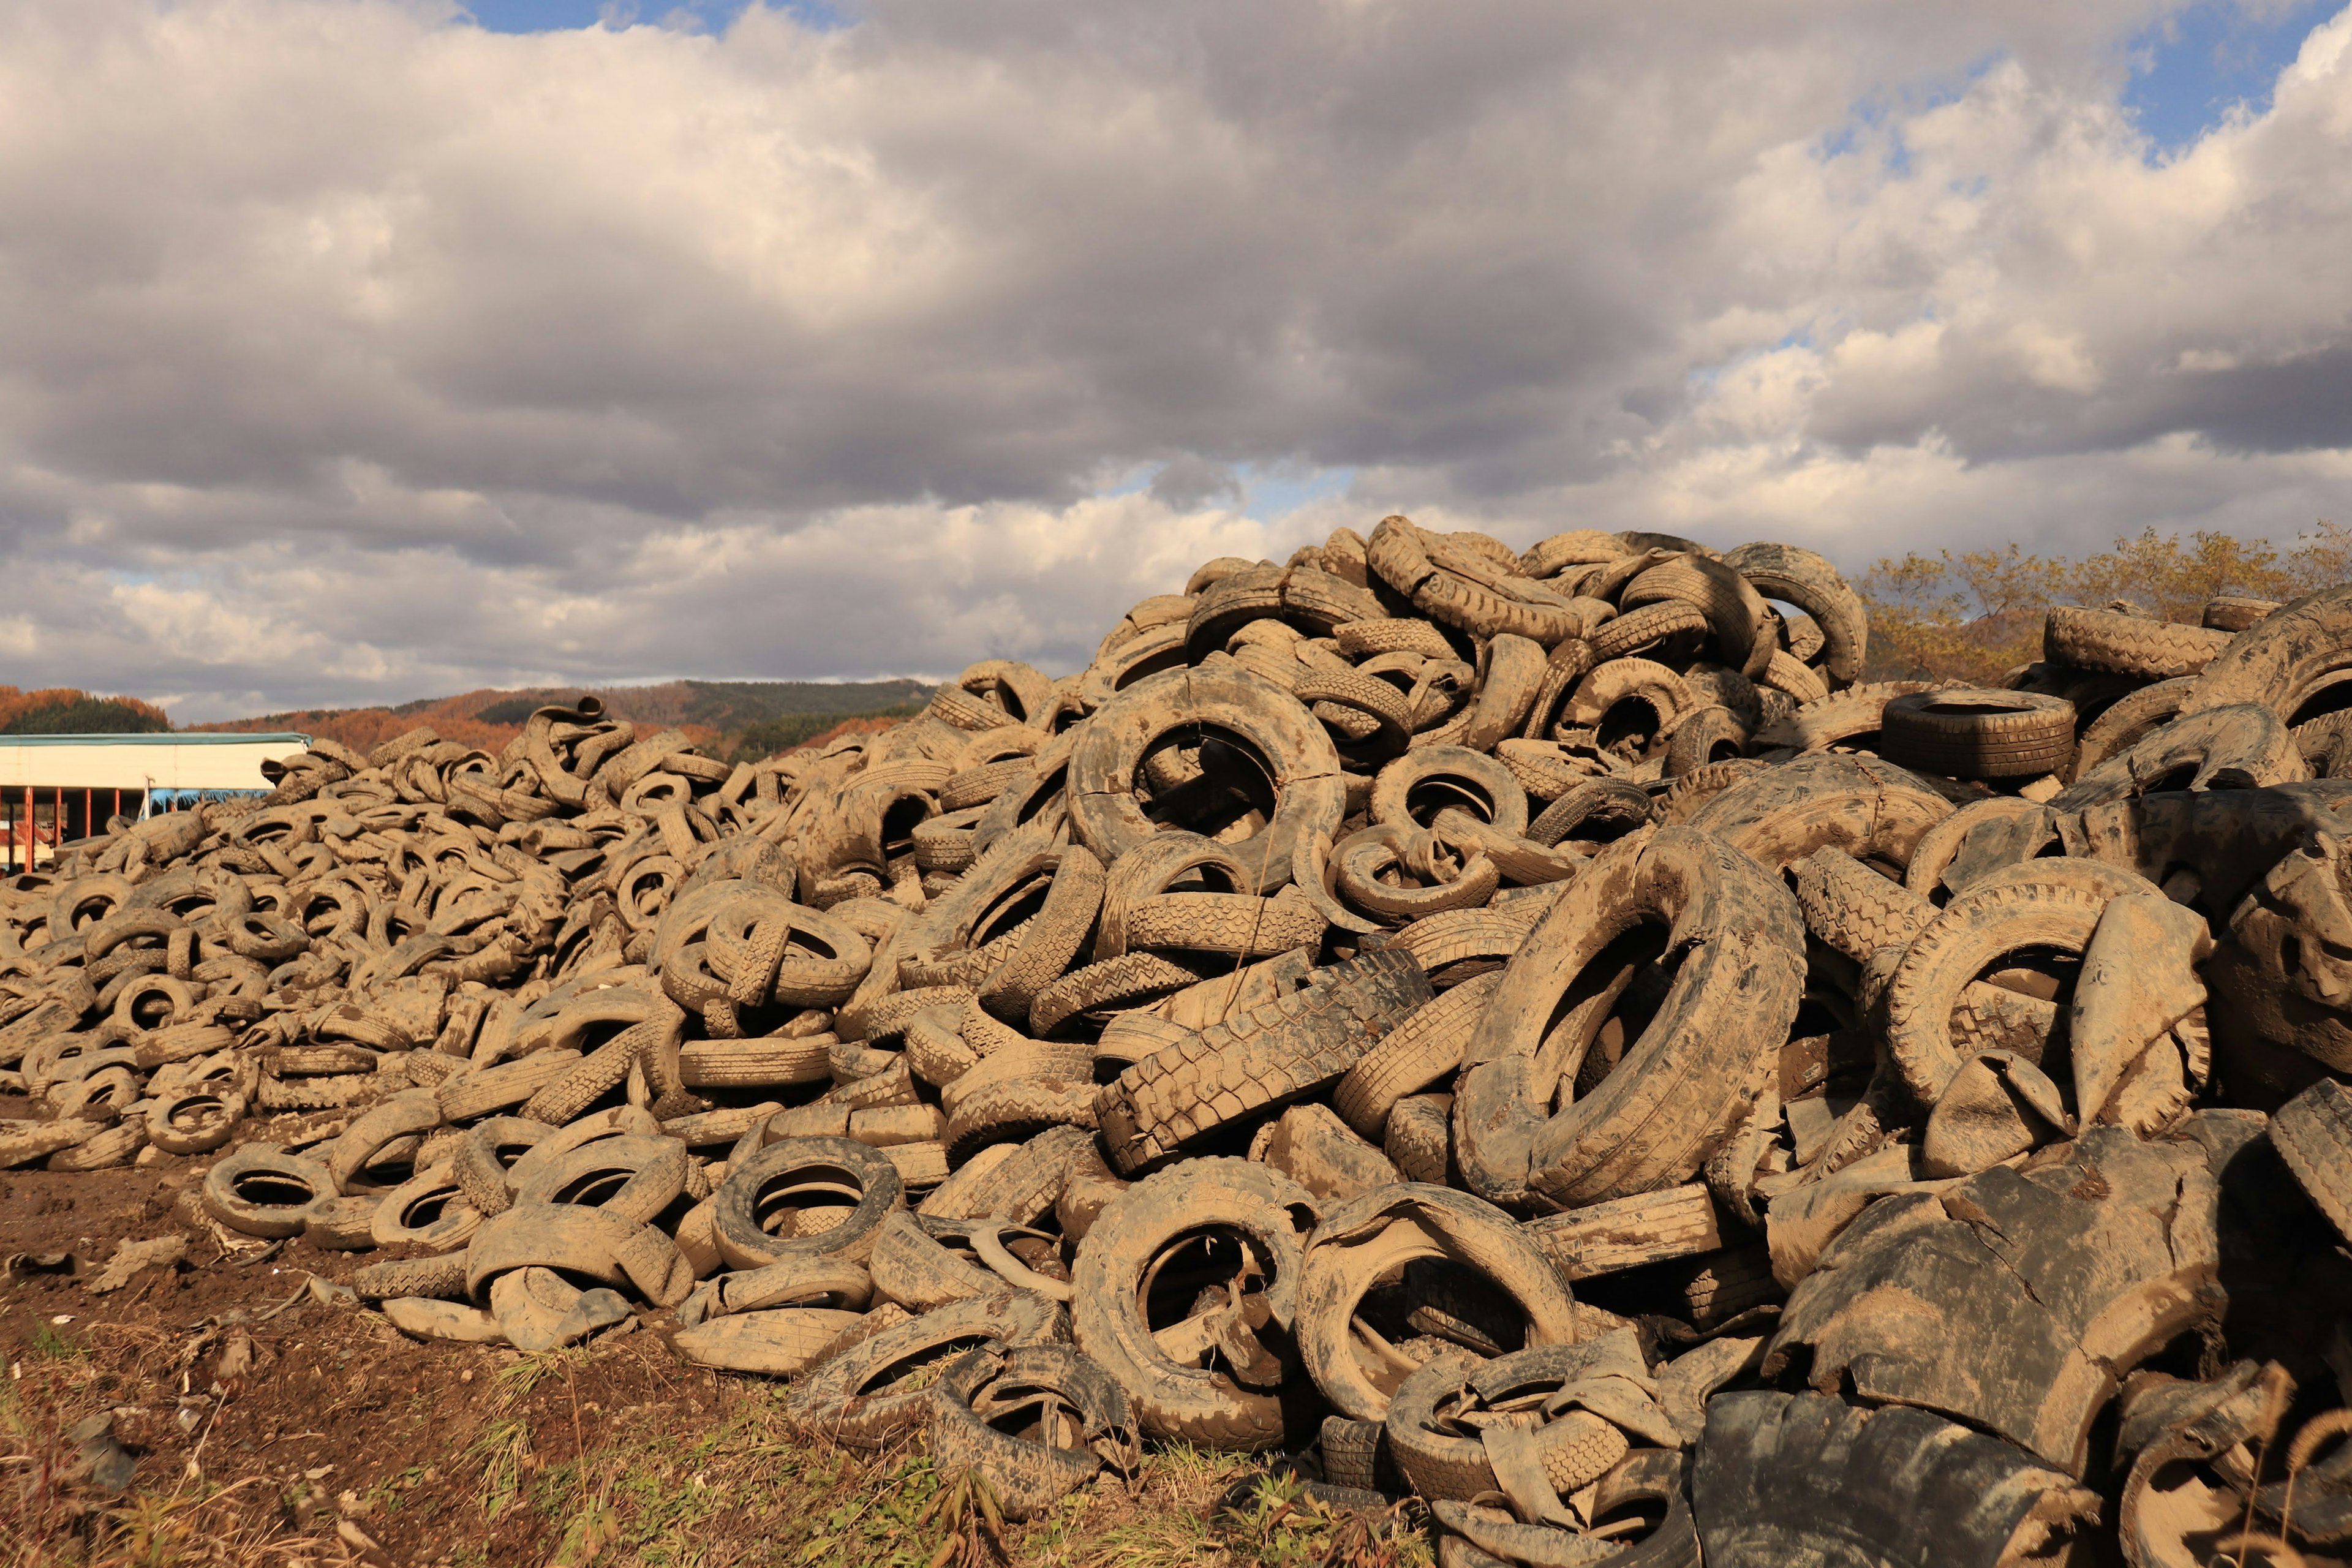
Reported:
(1535, 1032)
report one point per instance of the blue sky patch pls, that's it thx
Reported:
(1277, 488)
(567, 15)
(2189, 71)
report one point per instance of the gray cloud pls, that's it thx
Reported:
(356, 353)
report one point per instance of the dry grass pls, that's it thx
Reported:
(654, 1485)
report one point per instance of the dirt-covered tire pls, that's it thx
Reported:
(1687, 1083)
(1232, 925)
(263, 1191)
(1870, 809)
(1304, 768)
(1354, 1454)
(1030, 1470)
(2128, 644)
(1738, 618)
(1017, 1110)
(1295, 1046)
(1373, 1235)
(1577, 1446)
(2242, 746)
(2312, 1133)
(763, 1062)
(1052, 939)
(1400, 553)
(441, 1278)
(1126, 981)
(1854, 909)
(195, 1119)
(2129, 719)
(509, 1083)
(779, 1341)
(1690, 791)
(1612, 805)
(834, 1168)
(1421, 1050)
(577, 1240)
(1849, 718)
(1419, 1141)
(854, 1396)
(1798, 576)
(2283, 660)
(1268, 1213)
(429, 1210)
(1416, 786)
(1644, 1486)
(1638, 631)
(632, 1176)
(1973, 734)
(1020, 1187)
(1948, 953)
(1703, 737)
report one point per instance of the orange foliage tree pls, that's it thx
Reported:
(1977, 616)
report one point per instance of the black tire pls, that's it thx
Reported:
(2312, 1133)
(1979, 734)
(1802, 1478)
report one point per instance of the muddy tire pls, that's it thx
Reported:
(760, 1189)
(854, 1396)
(1374, 1237)
(1798, 576)
(1870, 809)
(1848, 719)
(2128, 644)
(1423, 1050)
(2283, 660)
(2129, 721)
(1083, 1422)
(1266, 1211)
(780, 1341)
(1974, 1302)
(2239, 747)
(1854, 909)
(1311, 795)
(1946, 955)
(1688, 1080)
(265, 1191)
(1296, 1046)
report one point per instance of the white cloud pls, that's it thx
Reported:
(356, 353)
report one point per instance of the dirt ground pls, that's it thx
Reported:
(273, 1421)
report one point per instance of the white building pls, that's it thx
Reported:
(56, 788)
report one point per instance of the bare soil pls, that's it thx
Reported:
(345, 1442)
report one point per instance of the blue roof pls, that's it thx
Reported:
(173, 738)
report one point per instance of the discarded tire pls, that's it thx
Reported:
(1359, 951)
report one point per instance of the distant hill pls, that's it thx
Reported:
(744, 720)
(64, 710)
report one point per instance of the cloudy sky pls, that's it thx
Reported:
(355, 350)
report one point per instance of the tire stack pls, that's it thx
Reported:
(1533, 1031)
